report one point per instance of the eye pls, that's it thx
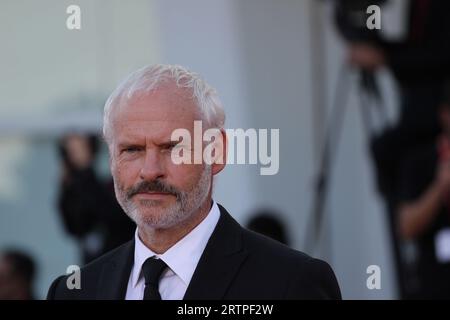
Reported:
(131, 149)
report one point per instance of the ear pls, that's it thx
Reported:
(221, 159)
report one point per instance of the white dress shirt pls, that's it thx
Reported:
(181, 259)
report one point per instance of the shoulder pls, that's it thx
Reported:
(89, 277)
(260, 244)
(275, 268)
(305, 276)
(275, 252)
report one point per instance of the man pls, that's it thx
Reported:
(424, 209)
(186, 246)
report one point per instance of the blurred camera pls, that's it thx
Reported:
(350, 18)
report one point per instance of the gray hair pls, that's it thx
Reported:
(149, 78)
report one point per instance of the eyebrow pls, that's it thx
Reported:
(168, 143)
(124, 145)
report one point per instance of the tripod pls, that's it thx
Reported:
(370, 97)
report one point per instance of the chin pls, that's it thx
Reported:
(157, 218)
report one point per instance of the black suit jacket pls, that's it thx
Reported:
(236, 264)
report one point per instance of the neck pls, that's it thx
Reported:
(161, 240)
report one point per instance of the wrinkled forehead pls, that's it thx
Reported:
(156, 113)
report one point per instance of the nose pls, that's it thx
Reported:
(152, 168)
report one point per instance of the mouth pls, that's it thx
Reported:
(153, 195)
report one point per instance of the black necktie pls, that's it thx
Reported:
(152, 270)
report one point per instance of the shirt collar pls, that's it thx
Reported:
(182, 258)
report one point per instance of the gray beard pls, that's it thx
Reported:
(163, 218)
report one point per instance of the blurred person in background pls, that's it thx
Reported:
(268, 223)
(421, 64)
(87, 205)
(17, 274)
(424, 208)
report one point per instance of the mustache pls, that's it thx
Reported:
(152, 186)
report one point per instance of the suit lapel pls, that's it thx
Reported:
(219, 262)
(114, 277)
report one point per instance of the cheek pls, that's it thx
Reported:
(184, 175)
(125, 172)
